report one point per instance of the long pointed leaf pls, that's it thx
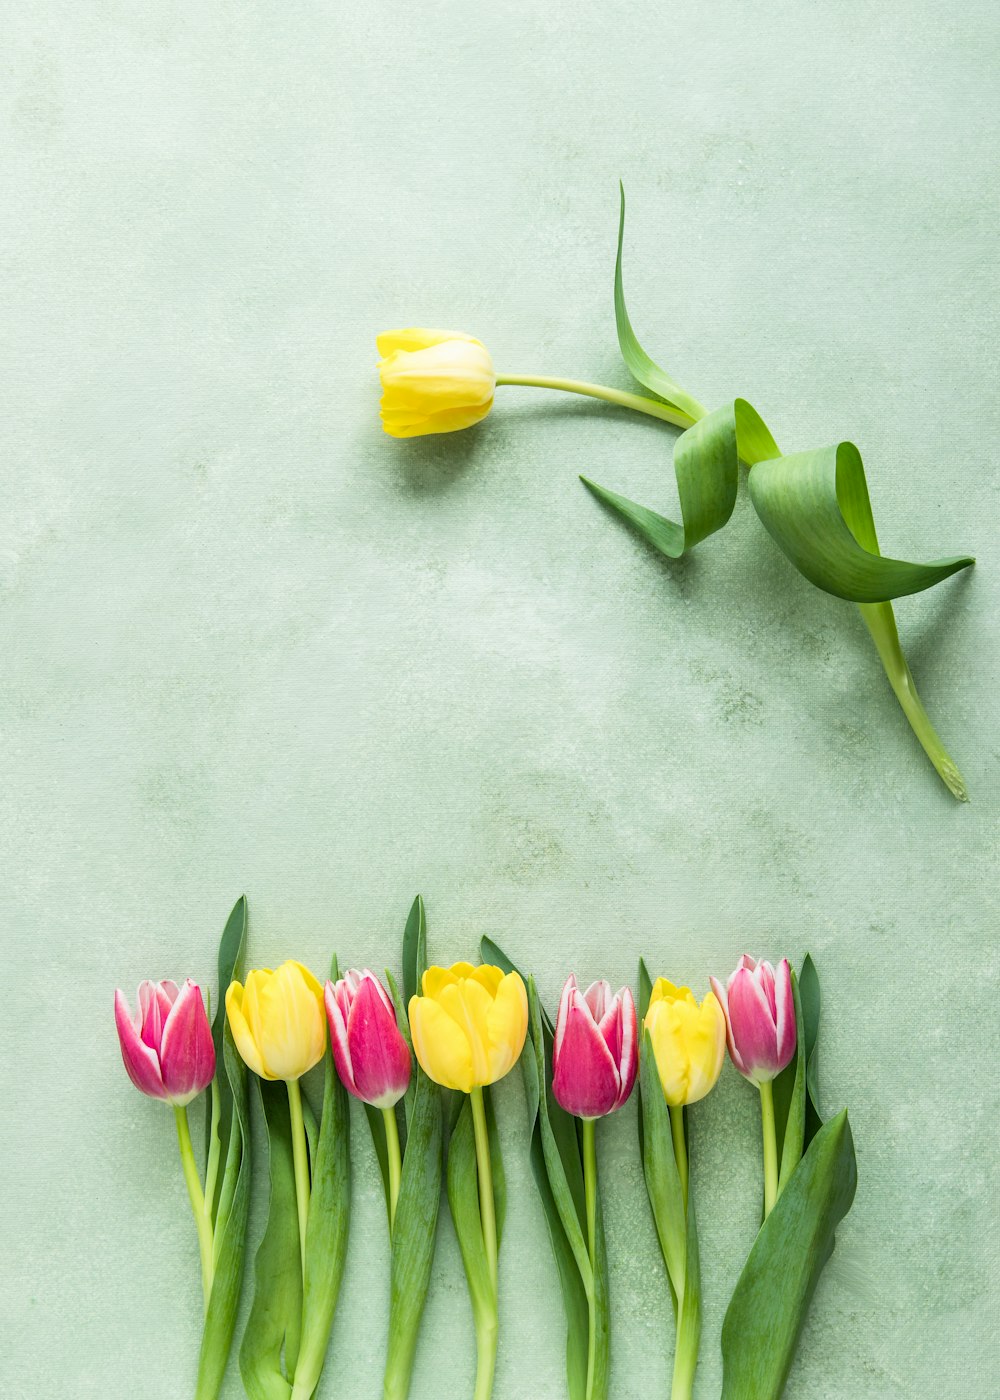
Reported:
(768, 1308)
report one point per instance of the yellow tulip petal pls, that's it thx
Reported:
(417, 338)
(487, 976)
(435, 978)
(441, 1047)
(468, 1004)
(671, 1062)
(292, 1023)
(242, 1035)
(507, 1022)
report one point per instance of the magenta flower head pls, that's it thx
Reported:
(371, 1055)
(167, 1046)
(760, 1018)
(595, 1055)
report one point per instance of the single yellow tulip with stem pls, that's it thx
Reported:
(279, 1026)
(468, 1028)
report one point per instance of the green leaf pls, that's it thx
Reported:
(815, 506)
(414, 949)
(642, 368)
(659, 1165)
(230, 1207)
(273, 1331)
(415, 1234)
(791, 1129)
(326, 1232)
(463, 1201)
(769, 1305)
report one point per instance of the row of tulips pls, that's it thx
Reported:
(461, 1029)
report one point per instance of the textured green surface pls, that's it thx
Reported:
(250, 644)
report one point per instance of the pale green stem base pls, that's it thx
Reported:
(770, 1146)
(300, 1160)
(199, 1204)
(487, 1318)
(590, 1193)
(680, 1148)
(637, 402)
(395, 1162)
(688, 1319)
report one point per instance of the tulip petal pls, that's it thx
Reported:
(236, 1003)
(187, 1051)
(417, 338)
(441, 1046)
(598, 998)
(564, 1004)
(379, 1053)
(585, 1078)
(753, 1027)
(335, 999)
(292, 1034)
(141, 1061)
(468, 1003)
(508, 1025)
(785, 1007)
(628, 1058)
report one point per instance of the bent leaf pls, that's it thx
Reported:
(769, 1305)
(815, 506)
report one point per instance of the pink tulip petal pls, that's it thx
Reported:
(564, 1004)
(764, 975)
(335, 999)
(628, 1061)
(141, 1062)
(611, 1028)
(785, 1003)
(379, 1054)
(722, 994)
(384, 996)
(753, 1026)
(598, 998)
(585, 1078)
(187, 1052)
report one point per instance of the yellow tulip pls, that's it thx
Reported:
(468, 1028)
(433, 381)
(278, 1021)
(689, 1041)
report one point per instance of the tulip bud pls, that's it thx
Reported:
(595, 1054)
(433, 381)
(760, 1018)
(167, 1046)
(277, 1021)
(469, 1025)
(372, 1058)
(689, 1041)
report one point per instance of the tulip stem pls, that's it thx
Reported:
(680, 1147)
(395, 1161)
(590, 1192)
(199, 1205)
(770, 1147)
(484, 1169)
(637, 402)
(300, 1159)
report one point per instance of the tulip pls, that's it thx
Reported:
(595, 1055)
(689, 1041)
(433, 381)
(759, 1006)
(469, 1025)
(167, 1046)
(279, 1027)
(760, 1018)
(371, 1055)
(468, 1030)
(277, 1021)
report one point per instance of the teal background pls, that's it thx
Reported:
(253, 645)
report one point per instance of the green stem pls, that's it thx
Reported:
(770, 1147)
(487, 1316)
(680, 1148)
(202, 1215)
(590, 1193)
(214, 1150)
(395, 1161)
(881, 623)
(639, 404)
(300, 1159)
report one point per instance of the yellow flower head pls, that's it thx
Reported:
(468, 1028)
(278, 1021)
(433, 381)
(689, 1041)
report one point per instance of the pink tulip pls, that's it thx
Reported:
(595, 1055)
(167, 1047)
(371, 1055)
(760, 1018)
